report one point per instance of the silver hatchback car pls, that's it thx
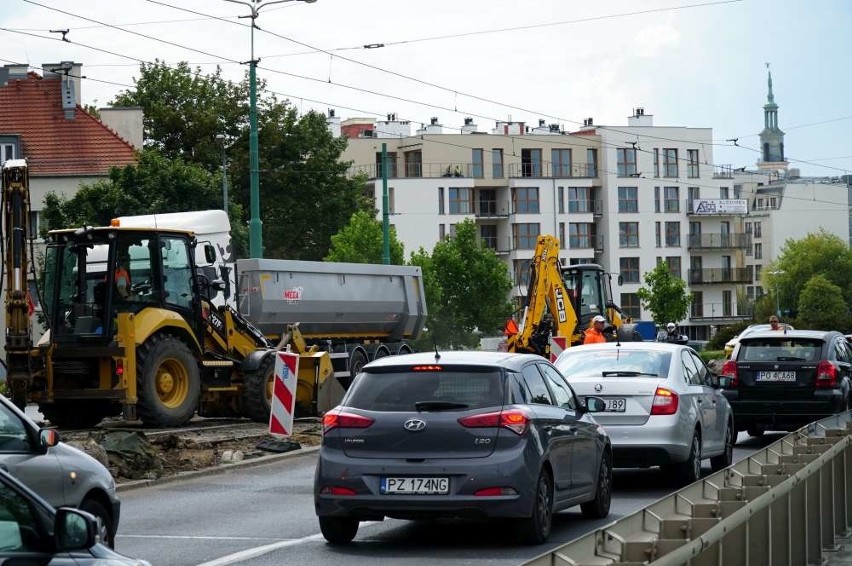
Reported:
(61, 474)
(663, 406)
(485, 435)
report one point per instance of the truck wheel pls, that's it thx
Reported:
(168, 381)
(357, 360)
(19, 393)
(257, 391)
(74, 414)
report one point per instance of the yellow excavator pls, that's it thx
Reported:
(132, 328)
(561, 301)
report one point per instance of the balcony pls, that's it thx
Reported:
(595, 243)
(723, 172)
(500, 246)
(716, 207)
(548, 170)
(738, 241)
(720, 313)
(418, 171)
(594, 207)
(491, 209)
(720, 275)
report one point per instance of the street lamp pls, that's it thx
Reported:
(255, 224)
(777, 299)
(221, 139)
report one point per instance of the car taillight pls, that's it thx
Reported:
(337, 490)
(515, 420)
(665, 402)
(826, 375)
(340, 419)
(729, 370)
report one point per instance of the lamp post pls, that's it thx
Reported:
(255, 224)
(221, 138)
(777, 299)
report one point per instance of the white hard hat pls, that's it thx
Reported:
(670, 326)
(599, 318)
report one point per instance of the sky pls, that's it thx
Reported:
(694, 63)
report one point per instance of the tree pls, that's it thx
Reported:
(665, 295)
(362, 241)
(821, 305)
(467, 289)
(799, 260)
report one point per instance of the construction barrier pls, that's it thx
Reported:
(783, 505)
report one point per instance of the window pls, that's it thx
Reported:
(670, 162)
(34, 224)
(579, 199)
(693, 194)
(461, 200)
(530, 163)
(628, 234)
(7, 152)
(727, 303)
(561, 391)
(758, 231)
(535, 384)
(526, 235)
(630, 305)
(392, 168)
(391, 201)
(738, 191)
(697, 306)
(672, 234)
(442, 231)
(525, 200)
(724, 193)
(560, 200)
(497, 163)
(452, 231)
(591, 162)
(177, 271)
(671, 196)
(674, 266)
(628, 199)
(22, 529)
(629, 269)
(413, 164)
(522, 272)
(658, 234)
(477, 163)
(692, 167)
(626, 162)
(562, 236)
(657, 199)
(487, 202)
(488, 233)
(656, 162)
(758, 251)
(748, 229)
(561, 159)
(690, 370)
(758, 271)
(580, 235)
(441, 200)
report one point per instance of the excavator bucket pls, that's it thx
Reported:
(316, 393)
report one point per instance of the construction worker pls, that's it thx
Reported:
(595, 334)
(122, 276)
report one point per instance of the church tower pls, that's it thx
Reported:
(771, 138)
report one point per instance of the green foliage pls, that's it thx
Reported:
(711, 355)
(664, 295)
(725, 333)
(466, 290)
(800, 260)
(361, 241)
(821, 305)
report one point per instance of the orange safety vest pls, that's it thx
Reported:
(594, 336)
(122, 278)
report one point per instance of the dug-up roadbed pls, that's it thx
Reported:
(138, 457)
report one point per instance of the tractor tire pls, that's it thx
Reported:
(69, 415)
(257, 391)
(168, 382)
(357, 360)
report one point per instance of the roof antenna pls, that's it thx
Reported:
(437, 353)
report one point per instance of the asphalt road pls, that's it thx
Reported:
(264, 516)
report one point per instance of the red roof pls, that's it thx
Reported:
(53, 145)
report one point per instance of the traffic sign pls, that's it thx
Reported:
(283, 394)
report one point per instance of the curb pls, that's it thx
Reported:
(250, 463)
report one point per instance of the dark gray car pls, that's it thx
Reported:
(485, 435)
(59, 473)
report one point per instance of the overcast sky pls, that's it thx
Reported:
(695, 63)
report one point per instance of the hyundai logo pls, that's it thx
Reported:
(598, 387)
(414, 425)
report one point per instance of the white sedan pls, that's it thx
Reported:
(663, 406)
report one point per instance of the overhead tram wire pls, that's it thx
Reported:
(326, 81)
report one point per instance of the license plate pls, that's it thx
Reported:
(782, 376)
(615, 405)
(416, 486)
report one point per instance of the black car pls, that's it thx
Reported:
(33, 532)
(778, 380)
(485, 435)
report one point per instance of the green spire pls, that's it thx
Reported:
(770, 97)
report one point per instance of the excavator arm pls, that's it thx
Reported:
(16, 217)
(549, 310)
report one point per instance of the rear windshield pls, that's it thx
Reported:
(780, 350)
(614, 363)
(450, 388)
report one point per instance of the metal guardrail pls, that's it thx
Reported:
(782, 505)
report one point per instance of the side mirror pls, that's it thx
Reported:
(47, 437)
(594, 404)
(210, 253)
(74, 530)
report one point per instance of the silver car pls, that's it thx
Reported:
(663, 406)
(61, 474)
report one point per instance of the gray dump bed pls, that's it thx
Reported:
(333, 300)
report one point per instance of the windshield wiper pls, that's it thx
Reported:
(438, 406)
(626, 373)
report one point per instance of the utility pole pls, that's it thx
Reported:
(221, 138)
(385, 207)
